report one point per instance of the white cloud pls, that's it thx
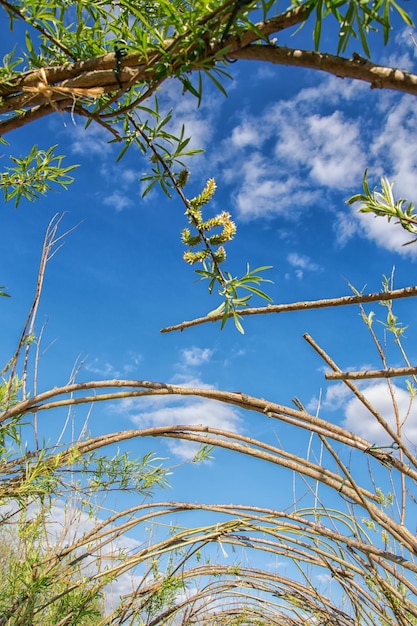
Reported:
(246, 134)
(264, 192)
(334, 398)
(395, 143)
(315, 141)
(91, 141)
(118, 201)
(127, 175)
(195, 356)
(303, 150)
(301, 262)
(360, 421)
(105, 369)
(168, 411)
(328, 147)
(102, 368)
(346, 226)
(330, 90)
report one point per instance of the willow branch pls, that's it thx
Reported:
(407, 292)
(357, 68)
(381, 420)
(387, 373)
(298, 418)
(98, 72)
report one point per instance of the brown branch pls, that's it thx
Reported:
(99, 72)
(94, 72)
(388, 373)
(246, 445)
(31, 115)
(382, 421)
(297, 418)
(406, 292)
(357, 68)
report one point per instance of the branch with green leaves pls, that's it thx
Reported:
(383, 204)
(33, 175)
(211, 253)
(97, 63)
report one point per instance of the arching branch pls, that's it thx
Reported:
(356, 68)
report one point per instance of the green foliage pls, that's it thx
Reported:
(34, 174)
(229, 290)
(8, 71)
(172, 150)
(33, 592)
(382, 204)
(392, 324)
(203, 454)
(355, 19)
(212, 247)
(124, 474)
(166, 591)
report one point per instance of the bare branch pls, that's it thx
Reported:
(387, 373)
(357, 68)
(406, 292)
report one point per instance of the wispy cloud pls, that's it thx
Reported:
(246, 134)
(195, 356)
(346, 225)
(283, 160)
(105, 369)
(328, 148)
(394, 141)
(118, 201)
(264, 191)
(89, 142)
(301, 263)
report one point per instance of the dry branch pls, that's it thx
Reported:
(407, 292)
(299, 418)
(387, 373)
(395, 437)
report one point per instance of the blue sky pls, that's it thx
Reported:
(287, 148)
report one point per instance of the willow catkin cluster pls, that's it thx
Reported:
(203, 227)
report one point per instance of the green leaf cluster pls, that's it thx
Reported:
(382, 204)
(34, 175)
(355, 18)
(229, 291)
(141, 475)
